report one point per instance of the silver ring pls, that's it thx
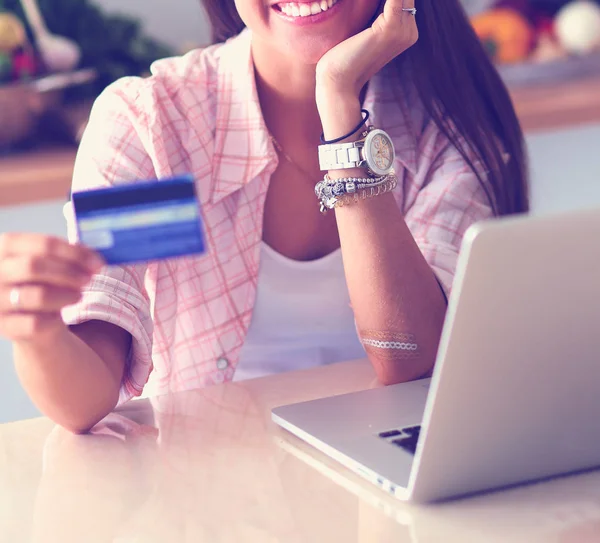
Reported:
(15, 298)
(412, 11)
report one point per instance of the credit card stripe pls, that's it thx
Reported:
(140, 219)
(137, 193)
(117, 211)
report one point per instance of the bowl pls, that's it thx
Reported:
(22, 104)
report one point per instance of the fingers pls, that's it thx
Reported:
(396, 27)
(408, 22)
(398, 9)
(37, 298)
(39, 276)
(401, 11)
(51, 271)
(46, 246)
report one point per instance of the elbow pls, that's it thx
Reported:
(78, 430)
(83, 422)
(84, 425)
(392, 372)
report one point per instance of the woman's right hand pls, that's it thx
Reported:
(39, 276)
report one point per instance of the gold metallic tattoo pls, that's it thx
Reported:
(392, 345)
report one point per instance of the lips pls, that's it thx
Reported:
(305, 9)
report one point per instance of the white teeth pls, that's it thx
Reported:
(294, 9)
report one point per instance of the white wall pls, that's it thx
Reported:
(176, 22)
(565, 169)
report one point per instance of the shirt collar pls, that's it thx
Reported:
(243, 146)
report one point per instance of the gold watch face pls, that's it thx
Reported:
(380, 152)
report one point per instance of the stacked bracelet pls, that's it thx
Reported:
(347, 185)
(388, 186)
(333, 193)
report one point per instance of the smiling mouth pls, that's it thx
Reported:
(295, 9)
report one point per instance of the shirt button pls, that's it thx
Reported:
(222, 363)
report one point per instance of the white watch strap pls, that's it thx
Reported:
(341, 156)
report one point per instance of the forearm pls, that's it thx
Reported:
(67, 380)
(394, 292)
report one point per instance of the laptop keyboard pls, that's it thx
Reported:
(405, 438)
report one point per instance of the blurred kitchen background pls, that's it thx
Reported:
(55, 57)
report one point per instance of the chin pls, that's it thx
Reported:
(309, 50)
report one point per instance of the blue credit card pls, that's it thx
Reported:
(143, 221)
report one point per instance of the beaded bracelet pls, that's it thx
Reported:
(387, 186)
(340, 192)
(328, 187)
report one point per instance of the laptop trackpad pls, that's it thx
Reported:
(353, 424)
(357, 414)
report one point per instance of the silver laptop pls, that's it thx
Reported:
(515, 394)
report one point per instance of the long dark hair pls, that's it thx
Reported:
(460, 89)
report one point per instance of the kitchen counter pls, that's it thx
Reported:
(209, 465)
(36, 176)
(560, 106)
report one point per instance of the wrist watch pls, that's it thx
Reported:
(375, 152)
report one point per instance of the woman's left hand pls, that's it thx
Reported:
(346, 69)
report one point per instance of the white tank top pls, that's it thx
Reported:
(302, 317)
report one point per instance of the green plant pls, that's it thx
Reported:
(114, 45)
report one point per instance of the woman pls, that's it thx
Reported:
(246, 119)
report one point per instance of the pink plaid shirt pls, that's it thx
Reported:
(200, 113)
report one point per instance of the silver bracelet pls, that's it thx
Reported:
(387, 186)
(333, 193)
(329, 191)
(346, 185)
